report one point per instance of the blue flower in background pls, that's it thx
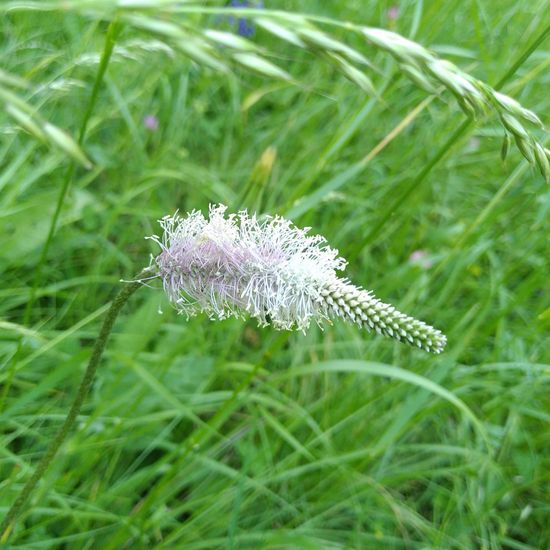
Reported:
(244, 26)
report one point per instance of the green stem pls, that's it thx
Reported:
(416, 182)
(121, 298)
(110, 39)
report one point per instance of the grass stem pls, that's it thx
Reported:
(9, 521)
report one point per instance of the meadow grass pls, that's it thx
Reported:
(225, 435)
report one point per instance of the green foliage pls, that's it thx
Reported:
(226, 435)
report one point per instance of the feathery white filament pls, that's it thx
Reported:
(229, 265)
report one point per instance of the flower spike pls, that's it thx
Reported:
(237, 264)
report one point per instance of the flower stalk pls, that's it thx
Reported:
(127, 290)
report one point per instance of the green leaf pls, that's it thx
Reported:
(388, 371)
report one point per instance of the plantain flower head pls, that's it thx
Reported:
(237, 264)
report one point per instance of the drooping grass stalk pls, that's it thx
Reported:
(426, 69)
(447, 146)
(110, 40)
(220, 50)
(122, 297)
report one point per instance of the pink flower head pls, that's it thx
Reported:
(227, 265)
(393, 13)
(151, 122)
(271, 270)
(421, 258)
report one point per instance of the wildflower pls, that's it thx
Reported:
(393, 13)
(151, 122)
(245, 27)
(420, 258)
(272, 270)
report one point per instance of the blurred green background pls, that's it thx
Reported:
(202, 434)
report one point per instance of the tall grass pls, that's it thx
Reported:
(207, 435)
